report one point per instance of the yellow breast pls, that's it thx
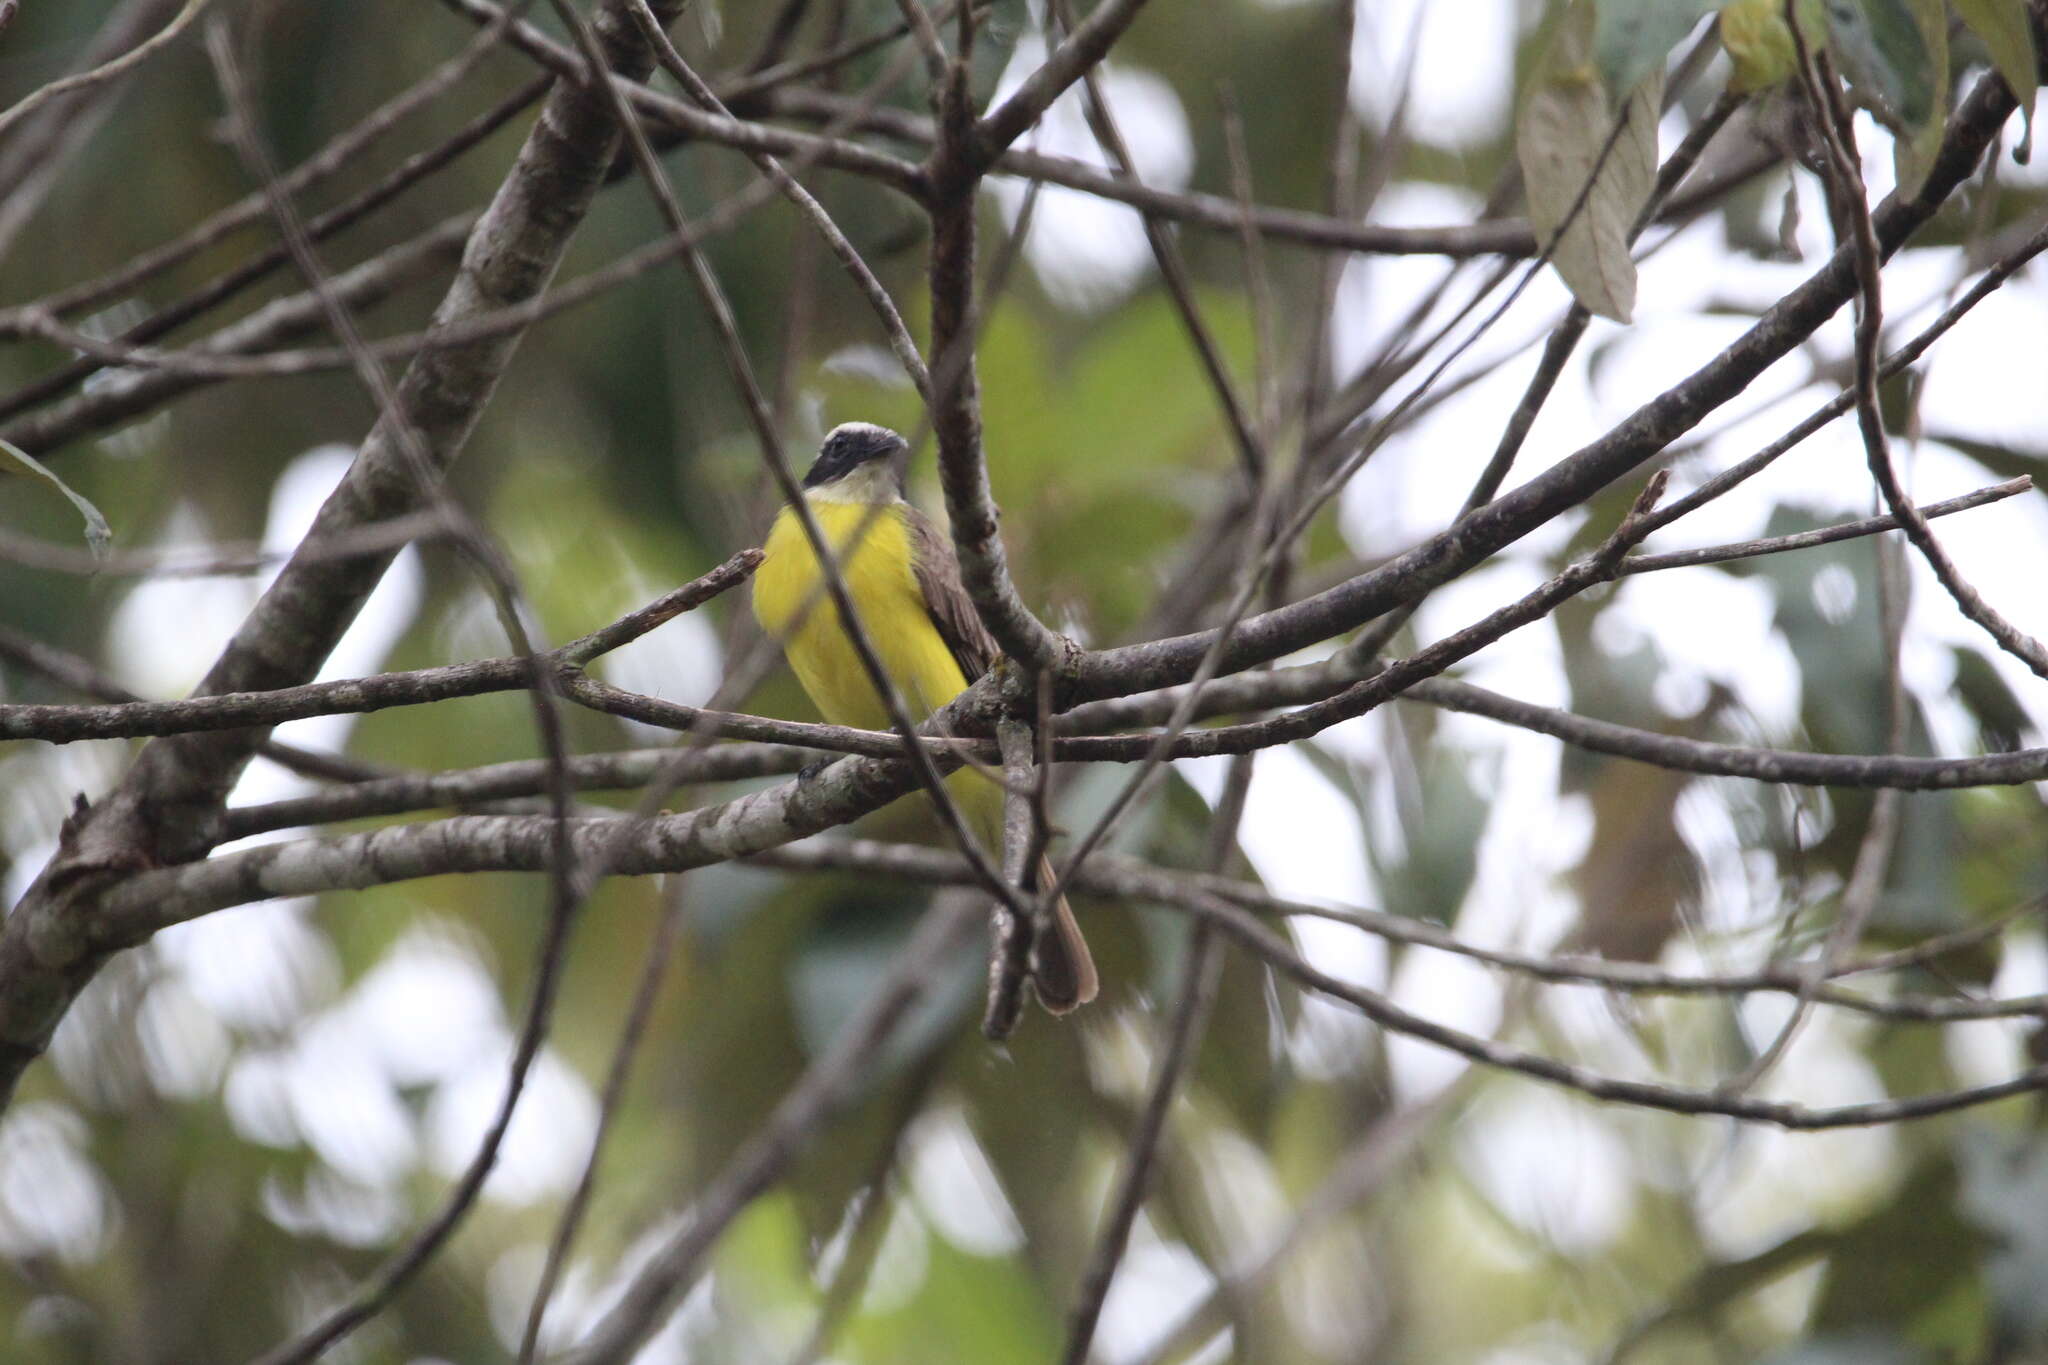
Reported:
(791, 605)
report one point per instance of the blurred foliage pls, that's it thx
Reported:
(235, 1126)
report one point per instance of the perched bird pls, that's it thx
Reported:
(905, 586)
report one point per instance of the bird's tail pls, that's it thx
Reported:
(1062, 971)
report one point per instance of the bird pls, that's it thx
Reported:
(905, 586)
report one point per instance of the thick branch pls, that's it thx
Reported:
(167, 807)
(955, 176)
(525, 777)
(152, 901)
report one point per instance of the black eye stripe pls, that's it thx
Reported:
(846, 448)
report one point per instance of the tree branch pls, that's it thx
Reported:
(167, 807)
(1632, 442)
(1084, 48)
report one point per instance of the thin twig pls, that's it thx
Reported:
(826, 1085)
(1173, 271)
(1844, 179)
(1124, 877)
(259, 266)
(1011, 934)
(500, 583)
(1564, 484)
(100, 75)
(211, 560)
(813, 212)
(871, 1221)
(660, 951)
(1120, 877)
(1201, 971)
(82, 675)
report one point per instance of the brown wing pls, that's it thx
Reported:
(938, 578)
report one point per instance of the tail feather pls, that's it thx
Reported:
(1062, 971)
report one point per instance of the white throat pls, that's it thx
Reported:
(869, 483)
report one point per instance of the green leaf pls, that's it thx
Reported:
(98, 535)
(2001, 25)
(1870, 1287)
(1720, 1285)
(1881, 46)
(1982, 689)
(1426, 874)
(1564, 125)
(1632, 37)
(1913, 156)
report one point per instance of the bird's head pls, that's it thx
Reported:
(859, 462)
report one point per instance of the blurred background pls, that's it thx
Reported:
(240, 1120)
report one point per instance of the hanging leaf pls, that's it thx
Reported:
(1913, 155)
(1631, 38)
(2001, 25)
(1881, 46)
(1565, 122)
(2002, 720)
(1428, 871)
(98, 535)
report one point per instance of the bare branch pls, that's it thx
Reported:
(1173, 271)
(99, 75)
(1845, 183)
(260, 265)
(81, 675)
(1120, 877)
(133, 392)
(1223, 904)
(1632, 442)
(1728, 760)
(1826, 535)
(686, 120)
(32, 159)
(1502, 237)
(807, 205)
(1201, 971)
(1010, 934)
(471, 788)
(660, 949)
(954, 174)
(236, 710)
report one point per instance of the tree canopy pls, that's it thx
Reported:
(1512, 532)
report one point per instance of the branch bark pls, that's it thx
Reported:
(167, 807)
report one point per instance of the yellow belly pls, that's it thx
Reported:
(790, 605)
